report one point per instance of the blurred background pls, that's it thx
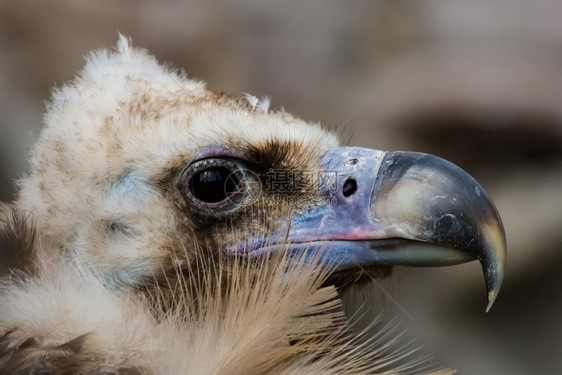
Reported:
(478, 82)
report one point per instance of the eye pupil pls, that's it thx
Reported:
(214, 185)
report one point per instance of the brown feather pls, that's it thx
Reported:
(17, 242)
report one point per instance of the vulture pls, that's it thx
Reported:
(163, 228)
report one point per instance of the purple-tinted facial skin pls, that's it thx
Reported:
(395, 208)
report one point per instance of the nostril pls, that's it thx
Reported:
(349, 187)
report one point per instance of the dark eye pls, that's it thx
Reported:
(216, 185)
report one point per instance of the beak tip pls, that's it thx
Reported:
(494, 289)
(494, 266)
(491, 298)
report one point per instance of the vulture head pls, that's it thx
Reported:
(164, 228)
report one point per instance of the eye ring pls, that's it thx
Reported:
(219, 185)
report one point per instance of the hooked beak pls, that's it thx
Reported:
(398, 208)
